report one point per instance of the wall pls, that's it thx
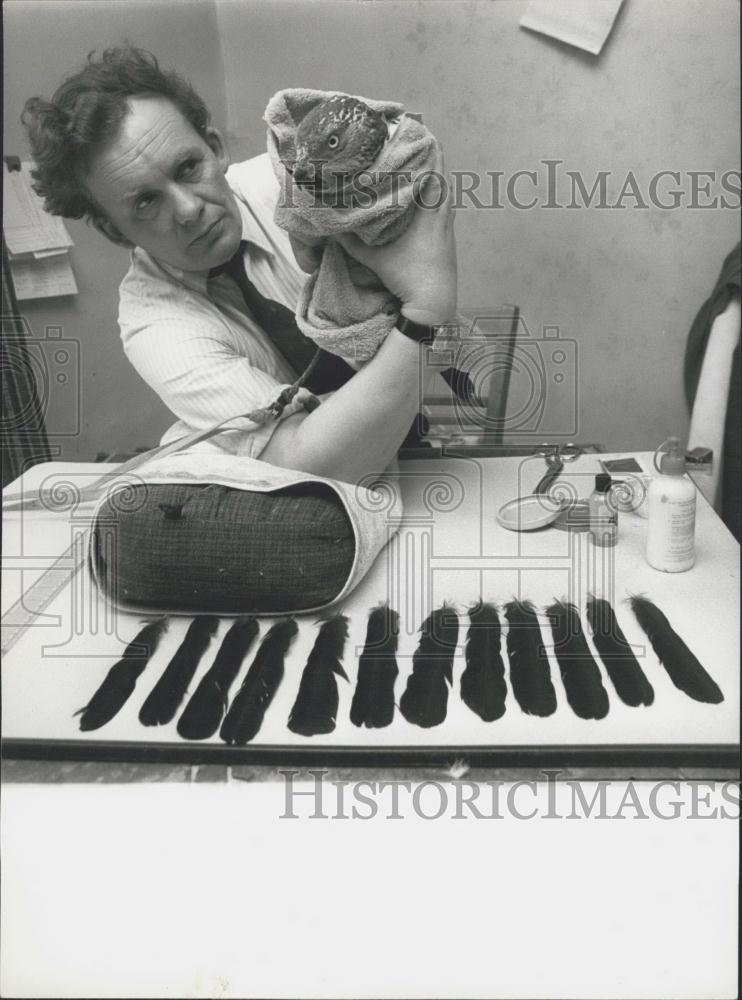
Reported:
(623, 285)
(664, 95)
(44, 40)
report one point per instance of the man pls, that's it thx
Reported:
(131, 148)
(202, 309)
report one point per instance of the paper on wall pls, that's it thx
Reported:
(27, 226)
(40, 254)
(585, 24)
(41, 278)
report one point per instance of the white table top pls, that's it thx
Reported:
(449, 547)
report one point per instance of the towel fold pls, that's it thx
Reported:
(344, 307)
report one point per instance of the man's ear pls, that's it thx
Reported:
(103, 225)
(218, 147)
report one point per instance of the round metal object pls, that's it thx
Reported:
(528, 513)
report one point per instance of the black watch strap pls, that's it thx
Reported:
(415, 331)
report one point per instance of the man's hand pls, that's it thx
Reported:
(419, 267)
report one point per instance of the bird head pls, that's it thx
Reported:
(336, 140)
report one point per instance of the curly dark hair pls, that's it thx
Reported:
(87, 110)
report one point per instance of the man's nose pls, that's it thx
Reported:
(187, 205)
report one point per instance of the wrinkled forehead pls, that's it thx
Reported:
(152, 136)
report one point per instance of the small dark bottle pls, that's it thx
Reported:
(603, 516)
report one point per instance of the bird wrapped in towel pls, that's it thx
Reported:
(349, 165)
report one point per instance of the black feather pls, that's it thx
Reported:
(425, 699)
(164, 699)
(121, 679)
(204, 711)
(373, 698)
(628, 678)
(530, 674)
(685, 670)
(246, 713)
(483, 686)
(316, 705)
(580, 673)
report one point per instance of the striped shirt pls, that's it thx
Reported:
(193, 339)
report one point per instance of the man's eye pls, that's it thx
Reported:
(189, 168)
(144, 202)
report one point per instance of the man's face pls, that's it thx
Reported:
(163, 188)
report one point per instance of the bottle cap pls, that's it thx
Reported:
(602, 482)
(672, 462)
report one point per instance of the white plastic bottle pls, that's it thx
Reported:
(671, 524)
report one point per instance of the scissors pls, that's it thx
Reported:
(555, 455)
(538, 509)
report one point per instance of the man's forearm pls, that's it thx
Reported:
(359, 428)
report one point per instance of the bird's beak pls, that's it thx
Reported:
(307, 173)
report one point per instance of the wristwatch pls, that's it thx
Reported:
(415, 331)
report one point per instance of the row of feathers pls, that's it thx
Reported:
(425, 698)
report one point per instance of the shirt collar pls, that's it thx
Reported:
(252, 233)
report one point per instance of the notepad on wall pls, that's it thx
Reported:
(37, 241)
(585, 24)
(42, 278)
(28, 227)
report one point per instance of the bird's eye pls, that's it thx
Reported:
(332, 142)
